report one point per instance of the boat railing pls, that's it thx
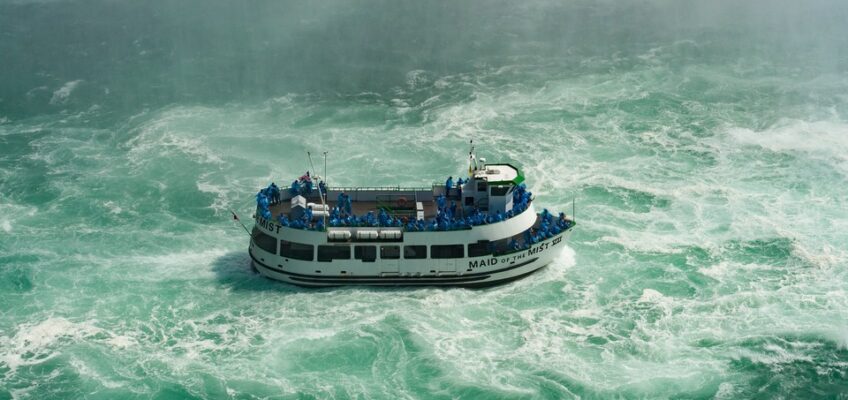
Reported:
(379, 189)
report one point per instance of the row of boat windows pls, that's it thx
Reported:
(367, 253)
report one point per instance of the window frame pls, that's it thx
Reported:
(487, 246)
(416, 255)
(336, 253)
(257, 234)
(492, 190)
(437, 251)
(382, 252)
(302, 250)
(358, 255)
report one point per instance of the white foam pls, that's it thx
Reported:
(89, 372)
(825, 140)
(113, 207)
(11, 212)
(61, 95)
(221, 201)
(165, 133)
(417, 78)
(34, 343)
(173, 265)
(651, 296)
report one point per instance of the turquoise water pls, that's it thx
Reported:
(706, 146)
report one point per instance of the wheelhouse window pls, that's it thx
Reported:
(298, 251)
(389, 252)
(264, 241)
(330, 253)
(365, 253)
(499, 190)
(447, 251)
(414, 252)
(480, 249)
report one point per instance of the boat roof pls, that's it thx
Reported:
(500, 174)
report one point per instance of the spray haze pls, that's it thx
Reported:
(152, 53)
(704, 142)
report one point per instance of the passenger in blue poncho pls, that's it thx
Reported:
(274, 192)
(440, 201)
(448, 185)
(295, 188)
(348, 204)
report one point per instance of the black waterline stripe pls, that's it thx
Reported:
(392, 281)
(411, 282)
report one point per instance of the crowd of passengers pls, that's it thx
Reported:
(446, 219)
(272, 194)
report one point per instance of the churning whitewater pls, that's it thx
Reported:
(706, 146)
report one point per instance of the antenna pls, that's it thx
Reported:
(472, 161)
(320, 192)
(325, 169)
(572, 210)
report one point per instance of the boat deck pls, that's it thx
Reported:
(362, 207)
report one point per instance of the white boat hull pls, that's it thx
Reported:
(468, 272)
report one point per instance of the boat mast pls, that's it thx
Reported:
(325, 170)
(320, 192)
(472, 162)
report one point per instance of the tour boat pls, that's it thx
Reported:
(480, 231)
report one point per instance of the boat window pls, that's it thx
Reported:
(447, 251)
(414, 252)
(365, 253)
(264, 241)
(499, 190)
(481, 186)
(502, 246)
(479, 249)
(390, 252)
(330, 253)
(298, 251)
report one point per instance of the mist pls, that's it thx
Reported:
(133, 55)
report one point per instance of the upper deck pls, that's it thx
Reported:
(399, 202)
(490, 194)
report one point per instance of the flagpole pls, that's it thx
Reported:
(320, 192)
(236, 218)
